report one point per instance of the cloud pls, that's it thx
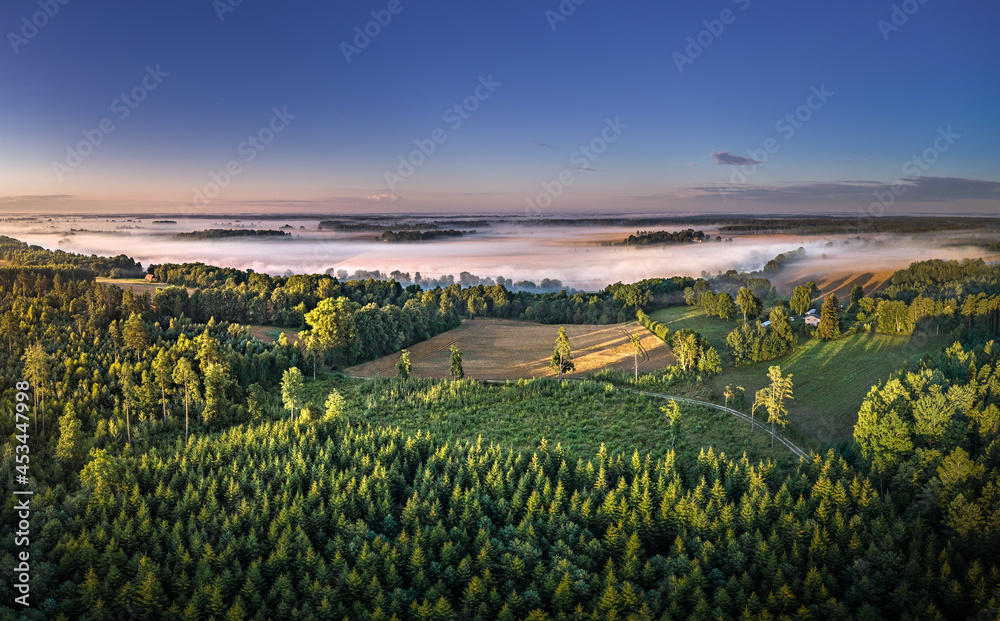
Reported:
(913, 189)
(723, 158)
(541, 143)
(383, 198)
(36, 198)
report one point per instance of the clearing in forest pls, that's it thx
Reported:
(501, 349)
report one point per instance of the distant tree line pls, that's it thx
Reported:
(20, 253)
(645, 238)
(418, 236)
(229, 233)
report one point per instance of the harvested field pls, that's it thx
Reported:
(837, 283)
(503, 349)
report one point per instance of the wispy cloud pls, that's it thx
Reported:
(914, 189)
(383, 198)
(36, 198)
(723, 158)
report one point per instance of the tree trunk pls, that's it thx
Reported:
(128, 426)
(163, 401)
(185, 414)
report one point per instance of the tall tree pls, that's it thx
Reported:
(128, 396)
(562, 355)
(70, 437)
(334, 406)
(331, 322)
(9, 327)
(185, 375)
(215, 382)
(403, 365)
(135, 335)
(115, 336)
(36, 367)
(750, 305)
(256, 396)
(673, 413)
(457, 371)
(773, 397)
(162, 373)
(292, 388)
(638, 349)
(801, 300)
(312, 346)
(857, 293)
(829, 318)
(725, 306)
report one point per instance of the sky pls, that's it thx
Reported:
(406, 106)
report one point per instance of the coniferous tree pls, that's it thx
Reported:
(829, 319)
(135, 335)
(403, 365)
(562, 355)
(163, 374)
(457, 371)
(184, 375)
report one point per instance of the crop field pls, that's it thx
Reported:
(579, 416)
(503, 349)
(837, 282)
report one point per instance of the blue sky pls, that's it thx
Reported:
(557, 76)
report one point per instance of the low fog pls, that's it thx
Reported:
(573, 255)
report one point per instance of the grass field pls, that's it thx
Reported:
(831, 378)
(502, 349)
(137, 286)
(270, 334)
(579, 416)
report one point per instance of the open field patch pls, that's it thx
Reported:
(579, 416)
(137, 285)
(504, 349)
